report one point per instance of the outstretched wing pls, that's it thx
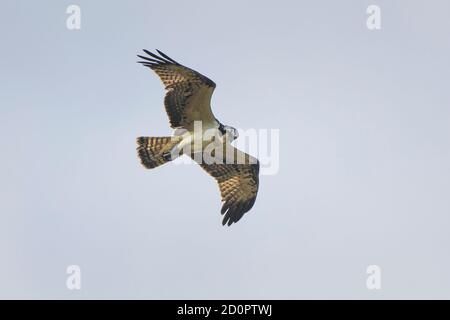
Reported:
(238, 183)
(188, 92)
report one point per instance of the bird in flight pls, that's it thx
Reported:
(187, 102)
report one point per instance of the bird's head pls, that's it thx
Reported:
(229, 132)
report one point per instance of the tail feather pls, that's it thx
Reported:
(155, 151)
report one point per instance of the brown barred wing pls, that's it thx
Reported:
(238, 185)
(188, 96)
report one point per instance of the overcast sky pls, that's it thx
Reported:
(364, 153)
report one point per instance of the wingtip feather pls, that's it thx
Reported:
(166, 56)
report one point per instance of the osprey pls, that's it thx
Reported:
(187, 102)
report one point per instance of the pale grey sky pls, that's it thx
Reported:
(364, 150)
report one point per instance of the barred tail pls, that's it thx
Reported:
(155, 151)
